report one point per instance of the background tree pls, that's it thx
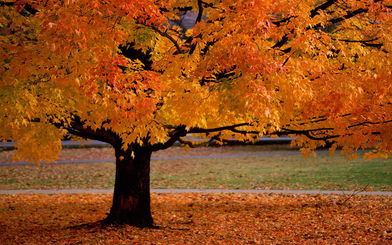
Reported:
(121, 72)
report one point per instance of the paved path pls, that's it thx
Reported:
(103, 191)
(97, 143)
(256, 154)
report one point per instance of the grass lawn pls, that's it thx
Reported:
(274, 172)
(246, 172)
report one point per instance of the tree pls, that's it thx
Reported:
(124, 73)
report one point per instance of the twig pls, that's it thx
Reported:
(353, 194)
(164, 34)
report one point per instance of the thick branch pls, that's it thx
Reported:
(174, 136)
(83, 134)
(308, 133)
(234, 130)
(78, 128)
(211, 130)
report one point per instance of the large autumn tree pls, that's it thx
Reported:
(141, 75)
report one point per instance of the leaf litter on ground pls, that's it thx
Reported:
(200, 219)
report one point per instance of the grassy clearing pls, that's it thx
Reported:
(275, 172)
(262, 172)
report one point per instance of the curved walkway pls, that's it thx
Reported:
(103, 191)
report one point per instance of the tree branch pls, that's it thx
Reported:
(310, 132)
(234, 130)
(363, 42)
(201, 9)
(174, 136)
(279, 22)
(2, 3)
(83, 134)
(186, 142)
(349, 15)
(323, 6)
(198, 19)
(282, 42)
(371, 123)
(78, 128)
(164, 34)
(314, 12)
(211, 130)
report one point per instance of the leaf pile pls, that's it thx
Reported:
(200, 219)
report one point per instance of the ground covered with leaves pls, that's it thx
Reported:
(200, 219)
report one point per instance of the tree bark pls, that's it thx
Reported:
(131, 197)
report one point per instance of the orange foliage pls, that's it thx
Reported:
(200, 219)
(122, 72)
(318, 68)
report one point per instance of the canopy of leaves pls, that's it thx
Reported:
(321, 69)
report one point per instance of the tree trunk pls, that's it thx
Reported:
(131, 198)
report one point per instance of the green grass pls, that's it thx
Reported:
(277, 172)
(263, 172)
